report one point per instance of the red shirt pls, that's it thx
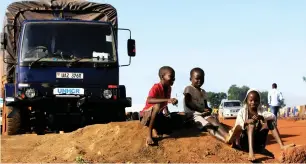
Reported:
(157, 91)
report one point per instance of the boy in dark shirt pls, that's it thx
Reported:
(195, 106)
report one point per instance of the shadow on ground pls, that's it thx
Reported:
(271, 139)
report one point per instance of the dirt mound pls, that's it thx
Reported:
(294, 155)
(116, 142)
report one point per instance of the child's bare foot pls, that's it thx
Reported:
(287, 146)
(150, 141)
(251, 157)
(154, 133)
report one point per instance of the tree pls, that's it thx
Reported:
(243, 91)
(304, 78)
(215, 98)
(237, 93)
(233, 92)
(264, 97)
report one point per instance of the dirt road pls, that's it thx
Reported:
(125, 142)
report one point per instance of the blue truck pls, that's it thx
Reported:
(61, 66)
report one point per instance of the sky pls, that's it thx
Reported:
(253, 43)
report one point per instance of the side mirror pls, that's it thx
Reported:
(3, 41)
(131, 47)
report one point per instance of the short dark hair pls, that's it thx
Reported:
(162, 71)
(274, 85)
(197, 69)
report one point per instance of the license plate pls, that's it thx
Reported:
(69, 75)
(68, 91)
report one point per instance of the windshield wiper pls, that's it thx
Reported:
(56, 54)
(62, 54)
(45, 56)
(84, 57)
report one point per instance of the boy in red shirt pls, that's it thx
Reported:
(154, 113)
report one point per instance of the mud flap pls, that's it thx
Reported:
(13, 121)
(12, 113)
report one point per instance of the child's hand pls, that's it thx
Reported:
(173, 101)
(207, 110)
(250, 121)
(258, 118)
(204, 114)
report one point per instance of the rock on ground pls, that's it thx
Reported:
(294, 155)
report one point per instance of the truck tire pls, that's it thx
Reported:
(12, 124)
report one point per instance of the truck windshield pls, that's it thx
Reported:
(93, 42)
(231, 104)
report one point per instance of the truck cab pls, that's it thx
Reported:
(66, 74)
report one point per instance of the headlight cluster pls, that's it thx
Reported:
(110, 92)
(26, 91)
(107, 94)
(30, 93)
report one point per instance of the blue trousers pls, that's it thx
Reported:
(274, 110)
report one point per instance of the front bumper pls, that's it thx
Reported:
(230, 115)
(80, 102)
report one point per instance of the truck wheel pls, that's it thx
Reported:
(11, 125)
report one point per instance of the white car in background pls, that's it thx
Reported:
(229, 109)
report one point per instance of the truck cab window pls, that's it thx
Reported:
(76, 39)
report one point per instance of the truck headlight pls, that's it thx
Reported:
(30, 93)
(107, 93)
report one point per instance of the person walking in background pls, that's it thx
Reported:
(275, 99)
